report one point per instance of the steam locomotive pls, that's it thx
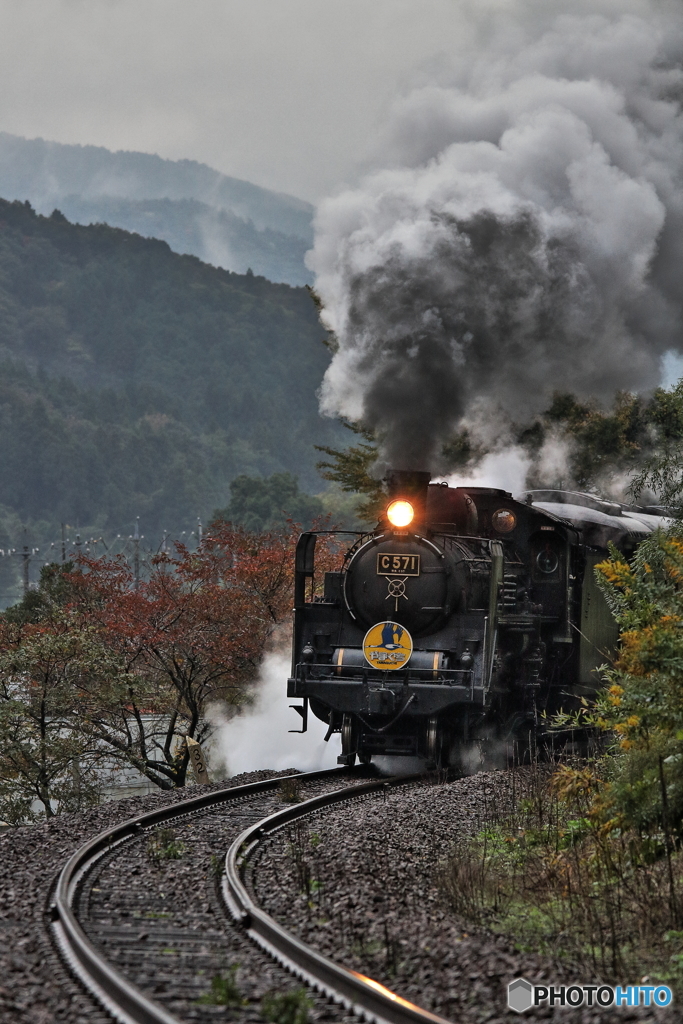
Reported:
(461, 618)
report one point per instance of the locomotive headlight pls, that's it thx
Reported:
(400, 513)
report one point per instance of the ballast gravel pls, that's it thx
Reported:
(35, 987)
(162, 923)
(371, 903)
(359, 883)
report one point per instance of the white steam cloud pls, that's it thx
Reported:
(507, 469)
(528, 235)
(512, 468)
(259, 738)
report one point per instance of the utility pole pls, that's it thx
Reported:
(26, 557)
(63, 544)
(136, 554)
(200, 532)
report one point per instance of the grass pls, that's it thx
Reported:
(277, 1007)
(304, 850)
(290, 790)
(286, 1007)
(302, 844)
(162, 845)
(224, 990)
(560, 881)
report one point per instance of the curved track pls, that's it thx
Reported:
(147, 954)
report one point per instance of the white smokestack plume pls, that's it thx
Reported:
(528, 235)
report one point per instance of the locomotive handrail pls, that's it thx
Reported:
(112, 990)
(364, 996)
(443, 673)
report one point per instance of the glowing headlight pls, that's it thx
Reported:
(504, 520)
(400, 513)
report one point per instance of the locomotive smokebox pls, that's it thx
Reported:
(410, 485)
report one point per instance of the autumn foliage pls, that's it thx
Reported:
(202, 620)
(160, 651)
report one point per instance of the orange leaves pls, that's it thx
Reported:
(631, 722)
(633, 643)
(574, 784)
(203, 618)
(673, 562)
(616, 572)
(129, 670)
(642, 650)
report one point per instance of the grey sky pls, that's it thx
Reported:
(289, 94)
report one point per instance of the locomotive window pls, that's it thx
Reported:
(503, 520)
(547, 561)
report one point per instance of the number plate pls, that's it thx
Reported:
(389, 564)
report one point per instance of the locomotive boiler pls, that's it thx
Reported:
(463, 617)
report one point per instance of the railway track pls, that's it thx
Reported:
(147, 913)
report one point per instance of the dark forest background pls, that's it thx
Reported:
(138, 382)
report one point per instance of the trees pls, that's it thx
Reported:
(662, 469)
(352, 470)
(640, 708)
(259, 504)
(637, 437)
(96, 672)
(47, 753)
(191, 635)
(600, 443)
(135, 378)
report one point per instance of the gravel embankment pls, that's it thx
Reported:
(374, 904)
(35, 988)
(163, 924)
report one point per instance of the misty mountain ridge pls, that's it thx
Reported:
(190, 227)
(224, 221)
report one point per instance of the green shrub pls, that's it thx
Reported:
(286, 1007)
(224, 990)
(290, 790)
(163, 845)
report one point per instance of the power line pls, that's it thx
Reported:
(131, 550)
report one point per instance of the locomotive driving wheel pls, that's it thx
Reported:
(436, 747)
(349, 741)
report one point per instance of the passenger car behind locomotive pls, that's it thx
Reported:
(464, 624)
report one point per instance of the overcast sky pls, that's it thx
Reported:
(290, 94)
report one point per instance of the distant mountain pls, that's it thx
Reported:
(216, 236)
(225, 221)
(134, 381)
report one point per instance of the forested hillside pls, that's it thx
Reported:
(225, 221)
(136, 382)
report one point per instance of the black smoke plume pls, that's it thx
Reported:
(531, 240)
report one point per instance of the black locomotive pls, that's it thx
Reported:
(461, 618)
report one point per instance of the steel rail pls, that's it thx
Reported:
(123, 1000)
(364, 996)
